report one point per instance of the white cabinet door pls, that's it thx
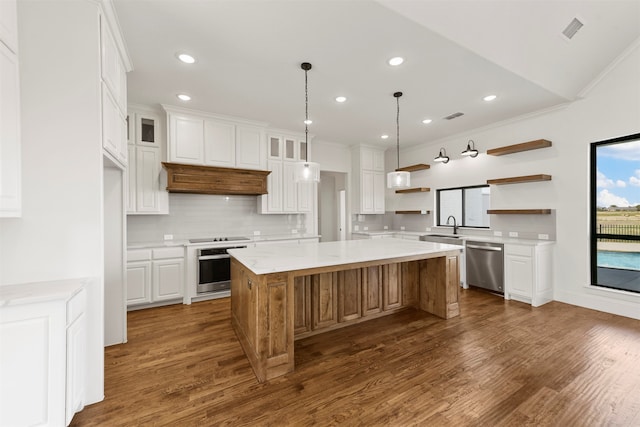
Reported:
(186, 142)
(366, 192)
(378, 161)
(113, 128)
(519, 276)
(289, 188)
(274, 148)
(219, 144)
(113, 73)
(10, 150)
(147, 129)
(378, 192)
(250, 149)
(147, 179)
(76, 353)
(168, 279)
(290, 148)
(305, 196)
(138, 282)
(274, 187)
(130, 174)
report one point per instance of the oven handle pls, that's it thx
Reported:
(208, 257)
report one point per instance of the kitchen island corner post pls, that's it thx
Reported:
(262, 315)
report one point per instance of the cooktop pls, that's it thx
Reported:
(218, 239)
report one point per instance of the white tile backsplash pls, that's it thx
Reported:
(204, 215)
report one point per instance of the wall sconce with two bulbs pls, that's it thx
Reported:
(470, 151)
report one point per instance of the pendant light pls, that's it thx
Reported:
(471, 149)
(306, 171)
(398, 179)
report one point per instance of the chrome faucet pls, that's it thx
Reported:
(455, 226)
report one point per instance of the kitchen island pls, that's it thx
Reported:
(286, 292)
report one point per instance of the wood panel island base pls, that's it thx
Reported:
(287, 292)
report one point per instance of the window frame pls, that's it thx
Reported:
(438, 219)
(593, 207)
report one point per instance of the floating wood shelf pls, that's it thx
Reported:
(413, 212)
(519, 211)
(517, 148)
(519, 179)
(413, 168)
(414, 190)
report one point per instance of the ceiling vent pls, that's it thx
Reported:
(572, 28)
(454, 116)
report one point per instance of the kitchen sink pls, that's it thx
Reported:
(442, 238)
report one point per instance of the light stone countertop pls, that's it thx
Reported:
(463, 237)
(275, 259)
(252, 239)
(30, 293)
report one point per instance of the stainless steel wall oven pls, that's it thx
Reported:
(214, 269)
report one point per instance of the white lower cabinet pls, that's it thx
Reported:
(528, 273)
(155, 275)
(43, 353)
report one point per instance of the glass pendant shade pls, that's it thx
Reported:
(307, 172)
(398, 179)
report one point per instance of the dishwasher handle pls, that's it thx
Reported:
(485, 248)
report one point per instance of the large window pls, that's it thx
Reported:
(615, 213)
(468, 205)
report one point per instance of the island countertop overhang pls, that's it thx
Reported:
(293, 257)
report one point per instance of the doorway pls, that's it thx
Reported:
(332, 206)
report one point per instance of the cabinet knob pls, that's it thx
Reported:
(249, 283)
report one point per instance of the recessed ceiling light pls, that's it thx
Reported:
(396, 60)
(183, 97)
(186, 58)
(489, 97)
(384, 136)
(307, 122)
(341, 99)
(427, 121)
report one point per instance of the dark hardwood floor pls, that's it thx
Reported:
(501, 363)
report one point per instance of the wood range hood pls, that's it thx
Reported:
(215, 180)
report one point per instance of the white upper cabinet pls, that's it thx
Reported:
(146, 178)
(210, 140)
(113, 71)
(114, 97)
(368, 180)
(219, 144)
(186, 140)
(250, 148)
(10, 143)
(114, 127)
(285, 195)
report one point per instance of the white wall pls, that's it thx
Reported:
(610, 109)
(59, 235)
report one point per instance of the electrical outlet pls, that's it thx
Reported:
(386, 227)
(427, 229)
(168, 237)
(256, 233)
(401, 228)
(365, 228)
(513, 234)
(294, 231)
(356, 228)
(543, 236)
(497, 233)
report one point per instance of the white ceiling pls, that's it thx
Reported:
(249, 53)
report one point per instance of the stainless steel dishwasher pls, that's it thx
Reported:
(485, 265)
